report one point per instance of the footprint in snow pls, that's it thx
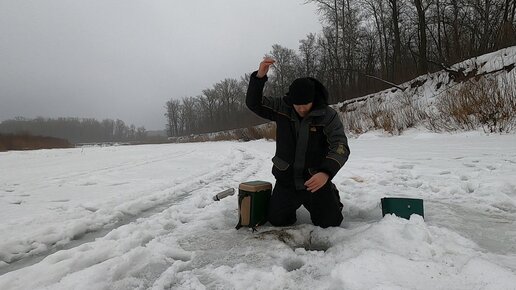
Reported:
(509, 189)
(119, 183)
(181, 255)
(446, 172)
(383, 182)
(469, 165)
(90, 208)
(292, 264)
(248, 156)
(404, 166)
(88, 183)
(490, 167)
(358, 179)
(434, 189)
(415, 184)
(470, 187)
(505, 206)
(60, 200)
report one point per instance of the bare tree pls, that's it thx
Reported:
(377, 9)
(141, 133)
(188, 115)
(285, 69)
(173, 117)
(210, 104)
(506, 32)
(423, 60)
(308, 54)
(396, 62)
(228, 91)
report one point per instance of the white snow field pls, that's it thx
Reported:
(143, 217)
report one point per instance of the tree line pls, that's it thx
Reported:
(364, 46)
(397, 40)
(221, 107)
(75, 130)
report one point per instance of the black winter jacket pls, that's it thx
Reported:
(304, 146)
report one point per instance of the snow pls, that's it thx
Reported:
(143, 217)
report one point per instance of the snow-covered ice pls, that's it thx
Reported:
(139, 217)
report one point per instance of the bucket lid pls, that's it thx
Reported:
(254, 186)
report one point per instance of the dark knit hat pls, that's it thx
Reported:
(301, 91)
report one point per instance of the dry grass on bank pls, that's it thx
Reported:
(28, 142)
(392, 117)
(485, 103)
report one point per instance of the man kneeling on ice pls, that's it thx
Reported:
(311, 147)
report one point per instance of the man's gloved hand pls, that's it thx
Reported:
(317, 181)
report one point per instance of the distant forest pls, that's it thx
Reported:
(364, 45)
(75, 130)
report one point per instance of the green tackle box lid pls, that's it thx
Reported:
(402, 207)
(255, 186)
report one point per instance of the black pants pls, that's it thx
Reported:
(324, 205)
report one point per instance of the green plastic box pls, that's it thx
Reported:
(402, 207)
(253, 202)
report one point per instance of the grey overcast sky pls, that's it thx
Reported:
(123, 59)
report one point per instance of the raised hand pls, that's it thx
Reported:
(264, 66)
